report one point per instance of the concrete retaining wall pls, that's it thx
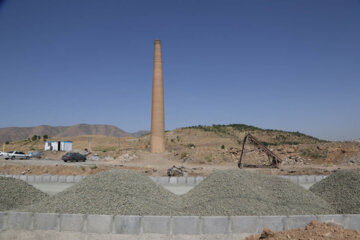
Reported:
(169, 225)
(47, 178)
(305, 179)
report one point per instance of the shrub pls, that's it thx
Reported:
(209, 158)
(7, 142)
(314, 153)
(191, 145)
(183, 155)
(93, 167)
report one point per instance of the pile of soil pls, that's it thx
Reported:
(114, 192)
(16, 193)
(239, 192)
(342, 190)
(314, 230)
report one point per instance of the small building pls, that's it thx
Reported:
(65, 146)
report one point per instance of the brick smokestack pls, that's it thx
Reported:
(157, 138)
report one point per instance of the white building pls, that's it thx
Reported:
(65, 146)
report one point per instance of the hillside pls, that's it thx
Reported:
(269, 137)
(19, 133)
(223, 143)
(215, 144)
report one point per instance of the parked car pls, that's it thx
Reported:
(15, 155)
(2, 153)
(73, 157)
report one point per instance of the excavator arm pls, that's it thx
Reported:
(275, 159)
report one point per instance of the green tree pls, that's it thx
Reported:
(34, 138)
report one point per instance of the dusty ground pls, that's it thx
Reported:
(199, 151)
(152, 165)
(314, 231)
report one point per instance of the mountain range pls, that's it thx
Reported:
(18, 133)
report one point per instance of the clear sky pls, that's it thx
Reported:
(280, 64)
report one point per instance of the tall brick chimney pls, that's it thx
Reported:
(157, 138)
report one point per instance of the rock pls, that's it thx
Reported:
(175, 171)
(94, 158)
(267, 233)
(127, 157)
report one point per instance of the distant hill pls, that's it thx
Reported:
(140, 133)
(19, 133)
(267, 136)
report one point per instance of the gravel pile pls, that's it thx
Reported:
(224, 193)
(341, 190)
(238, 192)
(16, 193)
(115, 192)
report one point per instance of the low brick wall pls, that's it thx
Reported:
(190, 180)
(168, 225)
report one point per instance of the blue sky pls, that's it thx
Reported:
(279, 64)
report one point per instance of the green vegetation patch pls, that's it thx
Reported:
(314, 153)
(279, 137)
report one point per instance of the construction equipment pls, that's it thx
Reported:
(175, 171)
(274, 159)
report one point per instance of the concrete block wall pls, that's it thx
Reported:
(190, 180)
(47, 178)
(168, 225)
(305, 179)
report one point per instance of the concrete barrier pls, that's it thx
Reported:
(168, 225)
(188, 180)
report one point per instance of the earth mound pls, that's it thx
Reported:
(238, 192)
(114, 192)
(15, 193)
(315, 230)
(342, 190)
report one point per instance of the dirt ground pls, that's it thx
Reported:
(314, 230)
(152, 165)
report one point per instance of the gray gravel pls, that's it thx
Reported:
(115, 192)
(341, 190)
(238, 192)
(230, 192)
(16, 193)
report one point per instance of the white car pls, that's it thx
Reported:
(15, 155)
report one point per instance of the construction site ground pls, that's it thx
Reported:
(154, 165)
